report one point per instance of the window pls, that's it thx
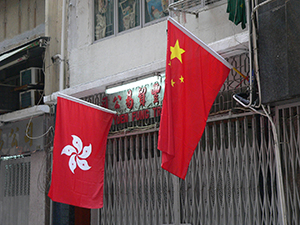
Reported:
(155, 9)
(104, 18)
(129, 14)
(115, 16)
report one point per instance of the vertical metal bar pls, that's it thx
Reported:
(221, 186)
(117, 181)
(205, 208)
(297, 141)
(237, 162)
(143, 185)
(51, 211)
(245, 171)
(255, 155)
(214, 214)
(291, 157)
(176, 200)
(133, 202)
(115, 19)
(229, 161)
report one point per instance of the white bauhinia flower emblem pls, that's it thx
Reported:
(77, 157)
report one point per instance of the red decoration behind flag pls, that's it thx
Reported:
(194, 76)
(79, 154)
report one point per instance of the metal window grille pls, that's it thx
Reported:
(232, 85)
(17, 179)
(14, 190)
(192, 6)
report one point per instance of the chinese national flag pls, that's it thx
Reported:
(194, 76)
(79, 153)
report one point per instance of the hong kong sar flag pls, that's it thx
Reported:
(80, 138)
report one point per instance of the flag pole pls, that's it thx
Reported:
(71, 98)
(242, 75)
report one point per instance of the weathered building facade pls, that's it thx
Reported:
(244, 169)
(29, 34)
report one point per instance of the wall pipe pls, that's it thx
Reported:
(62, 47)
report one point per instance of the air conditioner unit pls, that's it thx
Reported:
(32, 75)
(30, 98)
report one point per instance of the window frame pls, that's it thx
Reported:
(142, 20)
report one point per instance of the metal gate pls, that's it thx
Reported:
(14, 190)
(231, 178)
(288, 121)
(137, 190)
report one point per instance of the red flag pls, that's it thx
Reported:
(79, 153)
(194, 76)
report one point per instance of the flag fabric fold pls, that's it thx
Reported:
(79, 153)
(194, 76)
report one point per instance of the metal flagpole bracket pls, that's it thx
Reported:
(85, 103)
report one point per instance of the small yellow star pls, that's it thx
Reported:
(176, 51)
(169, 63)
(172, 82)
(181, 79)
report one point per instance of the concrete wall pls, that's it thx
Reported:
(20, 21)
(115, 55)
(37, 202)
(25, 20)
(53, 20)
(90, 61)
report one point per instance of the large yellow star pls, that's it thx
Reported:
(176, 51)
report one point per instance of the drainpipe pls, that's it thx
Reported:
(47, 18)
(62, 47)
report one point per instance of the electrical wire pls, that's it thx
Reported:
(28, 124)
